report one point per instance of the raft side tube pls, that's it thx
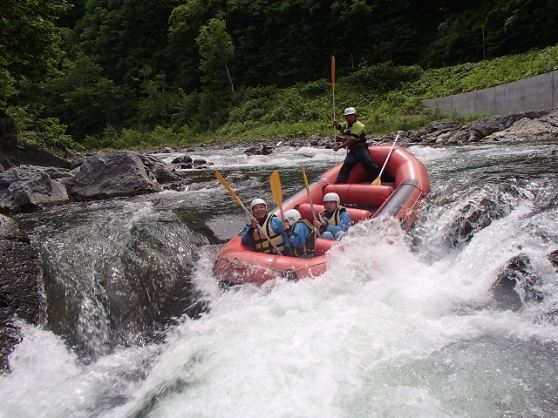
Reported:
(361, 194)
(357, 215)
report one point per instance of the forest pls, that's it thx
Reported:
(125, 73)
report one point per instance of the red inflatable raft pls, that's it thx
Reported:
(404, 184)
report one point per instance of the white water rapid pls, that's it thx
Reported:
(399, 326)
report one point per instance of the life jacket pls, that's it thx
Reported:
(335, 218)
(356, 130)
(262, 244)
(310, 244)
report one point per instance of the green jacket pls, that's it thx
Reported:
(357, 130)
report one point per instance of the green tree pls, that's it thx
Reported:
(29, 42)
(184, 26)
(85, 100)
(216, 51)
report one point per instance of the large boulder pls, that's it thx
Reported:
(27, 189)
(21, 286)
(159, 170)
(110, 175)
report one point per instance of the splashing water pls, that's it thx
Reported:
(399, 325)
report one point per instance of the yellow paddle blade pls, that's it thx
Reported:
(305, 178)
(333, 72)
(275, 184)
(376, 182)
(228, 187)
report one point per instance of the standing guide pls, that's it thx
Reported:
(353, 137)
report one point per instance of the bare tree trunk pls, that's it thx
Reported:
(230, 79)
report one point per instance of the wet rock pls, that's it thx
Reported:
(110, 175)
(21, 286)
(54, 172)
(184, 166)
(315, 140)
(183, 159)
(515, 284)
(264, 149)
(27, 189)
(435, 132)
(553, 257)
(200, 163)
(237, 180)
(158, 170)
(176, 186)
(479, 212)
(237, 177)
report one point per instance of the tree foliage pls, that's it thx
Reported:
(29, 42)
(104, 65)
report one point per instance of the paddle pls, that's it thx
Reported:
(377, 180)
(275, 184)
(307, 187)
(236, 198)
(333, 90)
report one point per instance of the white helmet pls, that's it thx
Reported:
(332, 197)
(350, 111)
(291, 216)
(257, 201)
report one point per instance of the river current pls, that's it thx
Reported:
(400, 325)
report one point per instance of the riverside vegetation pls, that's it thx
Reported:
(388, 98)
(91, 74)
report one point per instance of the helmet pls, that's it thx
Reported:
(291, 216)
(257, 201)
(332, 197)
(350, 111)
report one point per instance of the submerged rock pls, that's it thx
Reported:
(183, 159)
(553, 257)
(264, 149)
(515, 284)
(21, 286)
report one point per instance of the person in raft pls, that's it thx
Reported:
(270, 226)
(353, 137)
(301, 233)
(334, 221)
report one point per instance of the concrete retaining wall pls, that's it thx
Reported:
(535, 93)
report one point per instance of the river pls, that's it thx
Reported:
(401, 325)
